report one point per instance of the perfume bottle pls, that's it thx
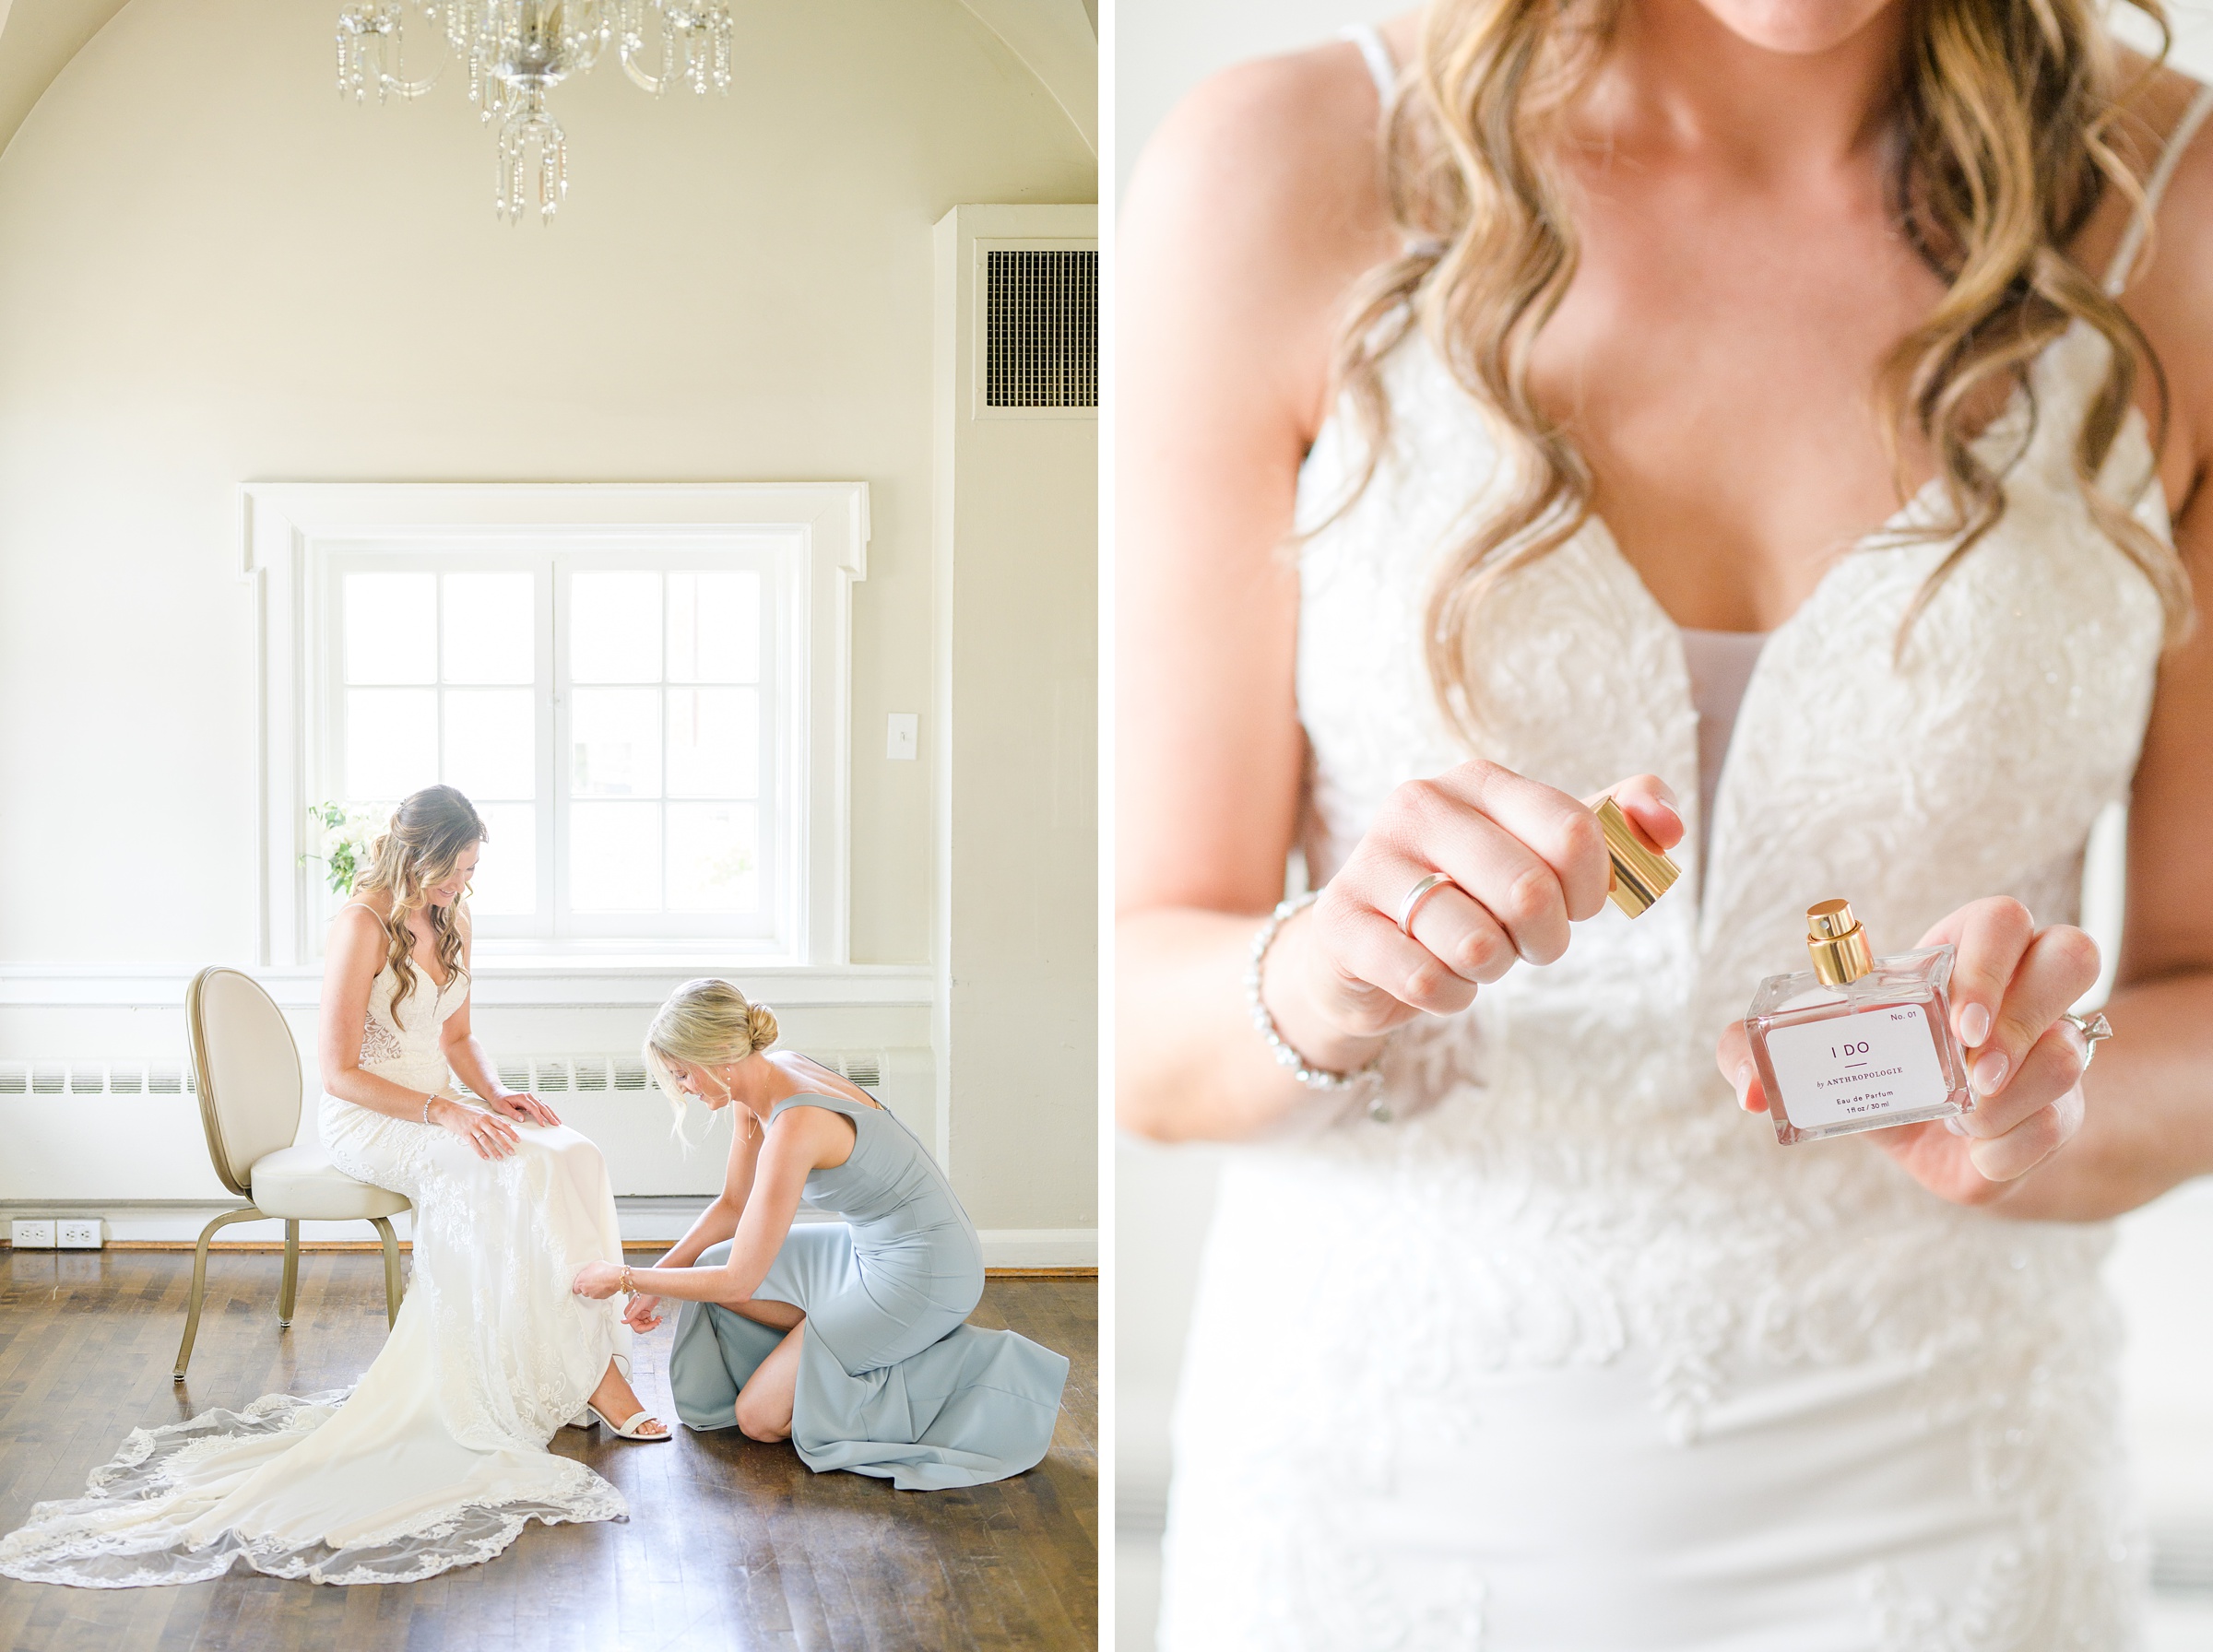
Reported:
(1856, 1043)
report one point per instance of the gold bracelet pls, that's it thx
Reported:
(629, 1286)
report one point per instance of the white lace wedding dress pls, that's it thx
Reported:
(1573, 1356)
(436, 1457)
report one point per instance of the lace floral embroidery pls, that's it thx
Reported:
(1569, 1189)
(379, 1043)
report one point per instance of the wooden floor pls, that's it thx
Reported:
(729, 1543)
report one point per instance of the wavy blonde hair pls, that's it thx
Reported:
(2004, 125)
(428, 835)
(705, 1023)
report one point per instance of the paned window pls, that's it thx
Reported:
(616, 719)
(644, 688)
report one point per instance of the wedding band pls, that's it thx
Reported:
(2093, 1027)
(1421, 891)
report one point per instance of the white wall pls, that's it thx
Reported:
(1017, 943)
(216, 271)
(1164, 1196)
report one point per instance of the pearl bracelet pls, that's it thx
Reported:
(1364, 1082)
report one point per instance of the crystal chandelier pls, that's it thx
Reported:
(516, 51)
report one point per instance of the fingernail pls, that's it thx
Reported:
(1954, 1125)
(1668, 805)
(1989, 1073)
(1975, 1024)
(1744, 1086)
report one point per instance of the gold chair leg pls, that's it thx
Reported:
(199, 1281)
(394, 1290)
(289, 1293)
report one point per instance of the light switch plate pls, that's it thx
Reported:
(31, 1235)
(81, 1233)
(901, 735)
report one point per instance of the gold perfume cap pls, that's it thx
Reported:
(1838, 943)
(1641, 875)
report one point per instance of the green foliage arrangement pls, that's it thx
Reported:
(346, 835)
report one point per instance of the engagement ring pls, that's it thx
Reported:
(2093, 1027)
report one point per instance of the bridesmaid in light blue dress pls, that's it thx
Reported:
(850, 1338)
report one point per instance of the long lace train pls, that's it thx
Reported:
(106, 1541)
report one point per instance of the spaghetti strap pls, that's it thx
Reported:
(2132, 243)
(1376, 55)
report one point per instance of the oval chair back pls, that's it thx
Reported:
(248, 1070)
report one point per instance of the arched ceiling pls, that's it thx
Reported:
(1056, 40)
(38, 38)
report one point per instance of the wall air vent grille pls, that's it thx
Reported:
(96, 1077)
(1041, 328)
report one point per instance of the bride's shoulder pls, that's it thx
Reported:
(2165, 289)
(359, 924)
(1272, 159)
(374, 906)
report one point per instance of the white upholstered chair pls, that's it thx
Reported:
(248, 1070)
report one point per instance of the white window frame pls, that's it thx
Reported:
(296, 533)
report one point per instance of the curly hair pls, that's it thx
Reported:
(2004, 118)
(428, 835)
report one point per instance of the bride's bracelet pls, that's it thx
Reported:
(630, 1286)
(1365, 1082)
(427, 1100)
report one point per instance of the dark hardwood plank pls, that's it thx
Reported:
(731, 1544)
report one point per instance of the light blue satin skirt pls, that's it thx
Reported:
(890, 1383)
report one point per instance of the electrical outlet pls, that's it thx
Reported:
(31, 1235)
(80, 1235)
(900, 734)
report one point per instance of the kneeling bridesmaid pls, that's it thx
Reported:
(848, 1338)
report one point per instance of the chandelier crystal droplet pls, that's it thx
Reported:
(514, 51)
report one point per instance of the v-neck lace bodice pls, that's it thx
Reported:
(1575, 1317)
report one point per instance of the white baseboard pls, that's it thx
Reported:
(645, 1221)
(1041, 1247)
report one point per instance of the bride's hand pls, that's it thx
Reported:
(522, 1104)
(597, 1280)
(491, 1136)
(644, 1313)
(1524, 860)
(2011, 983)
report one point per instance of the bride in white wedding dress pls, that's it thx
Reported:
(437, 1458)
(1505, 399)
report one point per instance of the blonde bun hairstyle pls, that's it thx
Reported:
(704, 1024)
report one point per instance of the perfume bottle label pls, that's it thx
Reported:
(1857, 1066)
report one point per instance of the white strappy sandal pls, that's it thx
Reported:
(628, 1431)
